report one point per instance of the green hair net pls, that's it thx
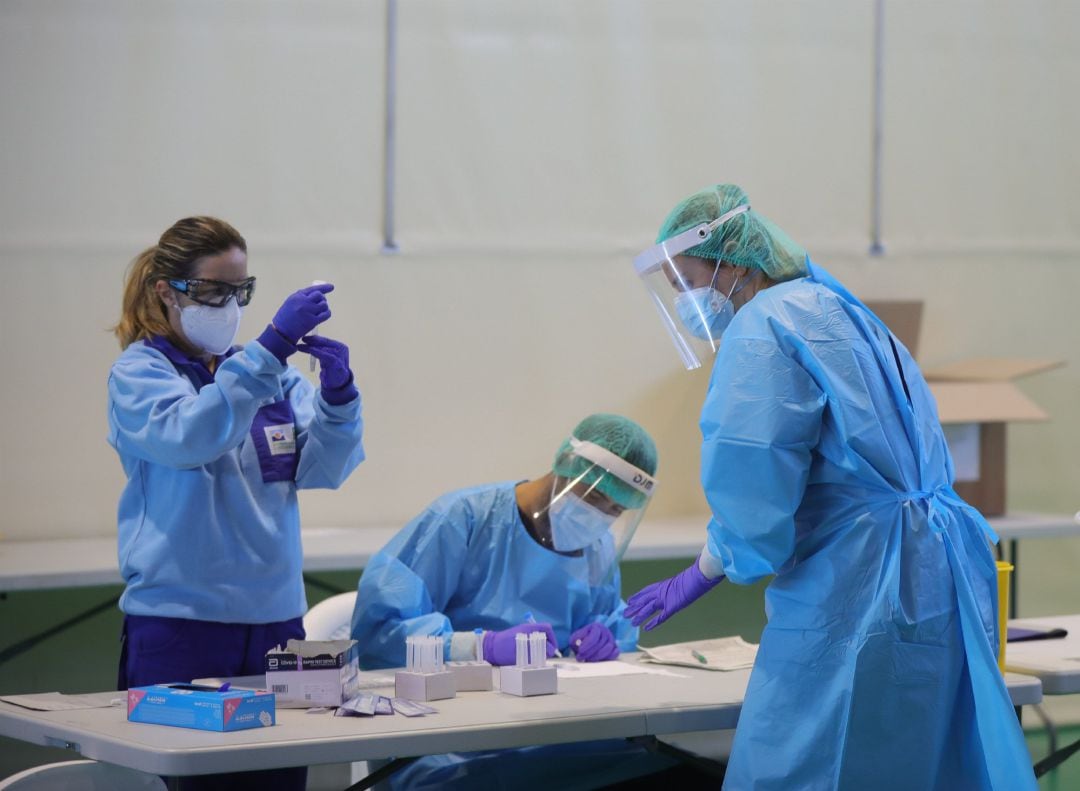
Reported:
(747, 239)
(623, 437)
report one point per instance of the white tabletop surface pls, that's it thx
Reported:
(75, 562)
(1055, 662)
(583, 709)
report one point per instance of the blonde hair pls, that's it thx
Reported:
(142, 314)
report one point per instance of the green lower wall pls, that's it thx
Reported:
(83, 658)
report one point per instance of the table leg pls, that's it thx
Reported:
(381, 774)
(654, 745)
(23, 646)
(1055, 760)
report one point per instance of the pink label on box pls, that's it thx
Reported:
(230, 708)
(134, 697)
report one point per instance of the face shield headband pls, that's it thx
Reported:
(578, 521)
(662, 278)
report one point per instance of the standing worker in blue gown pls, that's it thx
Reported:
(519, 556)
(824, 464)
(215, 440)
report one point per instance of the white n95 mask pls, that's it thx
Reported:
(211, 329)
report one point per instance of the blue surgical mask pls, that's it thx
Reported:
(705, 312)
(575, 524)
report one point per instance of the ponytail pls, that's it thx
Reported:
(142, 314)
(174, 257)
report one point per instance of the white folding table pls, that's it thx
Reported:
(1056, 663)
(584, 709)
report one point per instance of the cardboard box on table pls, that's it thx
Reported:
(309, 673)
(976, 399)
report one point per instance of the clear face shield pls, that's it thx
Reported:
(597, 510)
(693, 312)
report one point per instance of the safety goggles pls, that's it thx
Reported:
(663, 277)
(215, 293)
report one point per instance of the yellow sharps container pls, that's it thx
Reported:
(1004, 571)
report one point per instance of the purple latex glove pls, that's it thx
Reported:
(302, 311)
(500, 648)
(594, 642)
(333, 357)
(665, 598)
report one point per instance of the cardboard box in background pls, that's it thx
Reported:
(976, 399)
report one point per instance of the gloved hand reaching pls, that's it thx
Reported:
(500, 648)
(594, 642)
(665, 598)
(302, 311)
(333, 357)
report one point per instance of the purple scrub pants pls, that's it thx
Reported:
(164, 650)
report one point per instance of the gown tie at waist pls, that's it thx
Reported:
(938, 502)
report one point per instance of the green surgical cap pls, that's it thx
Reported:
(623, 437)
(747, 239)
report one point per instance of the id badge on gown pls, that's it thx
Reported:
(274, 433)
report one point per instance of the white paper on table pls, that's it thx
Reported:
(723, 653)
(374, 682)
(58, 701)
(571, 669)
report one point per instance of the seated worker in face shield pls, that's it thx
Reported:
(491, 556)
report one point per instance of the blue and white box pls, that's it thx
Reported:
(200, 707)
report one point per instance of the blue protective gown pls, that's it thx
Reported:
(209, 526)
(469, 562)
(825, 467)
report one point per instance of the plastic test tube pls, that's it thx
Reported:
(529, 618)
(539, 652)
(311, 357)
(431, 664)
(479, 644)
(521, 643)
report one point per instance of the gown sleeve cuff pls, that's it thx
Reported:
(711, 567)
(462, 646)
(275, 343)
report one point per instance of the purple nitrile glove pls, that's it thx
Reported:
(500, 648)
(594, 642)
(302, 311)
(333, 357)
(665, 598)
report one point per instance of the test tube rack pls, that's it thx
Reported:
(425, 676)
(474, 675)
(531, 674)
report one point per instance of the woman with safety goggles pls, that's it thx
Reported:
(824, 464)
(215, 440)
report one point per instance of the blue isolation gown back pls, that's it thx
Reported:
(825, 466)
